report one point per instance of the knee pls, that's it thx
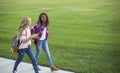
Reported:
(33, 59)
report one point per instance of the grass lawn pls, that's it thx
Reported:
(83, 34)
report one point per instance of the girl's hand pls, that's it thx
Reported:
(37, 37)
(34, 36)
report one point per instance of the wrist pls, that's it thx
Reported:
(30, 37)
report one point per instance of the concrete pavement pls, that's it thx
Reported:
(6, 66)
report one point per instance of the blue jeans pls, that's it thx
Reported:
(43, 44)
(21, 53)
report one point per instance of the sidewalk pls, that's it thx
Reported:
(6, 66)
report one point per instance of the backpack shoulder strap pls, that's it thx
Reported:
(25, 31)
(26, 35)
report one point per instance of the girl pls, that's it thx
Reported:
(24, 35)
(41, 27)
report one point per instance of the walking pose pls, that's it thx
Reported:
(24, 35)
(41, 27)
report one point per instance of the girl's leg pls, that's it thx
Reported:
(37, 53)
(21, 53)
(32, 58)
(38, 48)
(47, 53)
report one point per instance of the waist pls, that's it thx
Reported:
(24, 45)
(42, 39)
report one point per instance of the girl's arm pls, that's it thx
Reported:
(33, 28)
(23, 38)
(29, 38)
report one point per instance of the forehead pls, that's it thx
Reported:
(43, 15)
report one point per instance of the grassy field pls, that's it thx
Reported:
(83, 34)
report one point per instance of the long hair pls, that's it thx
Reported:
(40, 20)
(22, 26)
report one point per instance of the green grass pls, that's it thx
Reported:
(83, 34)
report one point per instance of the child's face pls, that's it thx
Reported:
(29, 22)
(43, 18)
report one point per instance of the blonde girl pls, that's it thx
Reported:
(24, 35)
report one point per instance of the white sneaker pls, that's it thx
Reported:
(14, 71)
